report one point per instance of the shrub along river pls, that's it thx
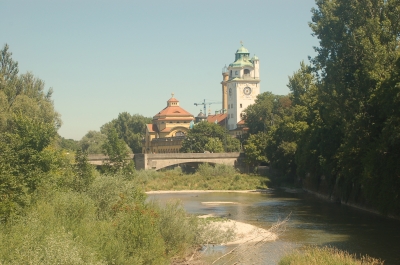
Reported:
(312, 221)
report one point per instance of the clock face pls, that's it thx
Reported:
(230, 91)
(247, 91)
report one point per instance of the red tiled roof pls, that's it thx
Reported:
(241, 122)
(173, 111)
(173, 100)
(217, 117)
(175, 119)
(166, 129)
(151, 127)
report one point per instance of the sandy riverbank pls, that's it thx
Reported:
(244, 233)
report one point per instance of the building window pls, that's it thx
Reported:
(235, 72)
(240, 105)
(246, 71)
(180, 133)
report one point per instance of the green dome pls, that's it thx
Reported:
(242, 50)
(255, 58)
(241, 62)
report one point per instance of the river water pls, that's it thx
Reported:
(312, 221)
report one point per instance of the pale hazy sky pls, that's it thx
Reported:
(107, 57)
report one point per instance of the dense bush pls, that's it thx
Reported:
(207, 177)
(109, 223)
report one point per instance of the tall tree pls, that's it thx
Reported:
(259, 116)
(198, 139)
(28, 124)
(130, 127)
(117, 152)
(255, 149)
(92, 142)
(359, 45)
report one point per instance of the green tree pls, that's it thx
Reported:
(130, 127)
(67, 144)
(231, 144)
(357, 54)
(92, 142)
(214, 145)
(28, 125)
(8, 68)
(255, 149)
(259, 116)
(117, 152)
(267, 111)
(381, 162)
(24, 93)
(24, 162)
(83, 171)
(198, 137)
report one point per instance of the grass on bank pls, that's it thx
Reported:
(110, 222)
(314, 255)
(207, 177)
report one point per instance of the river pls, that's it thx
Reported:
(311, 221)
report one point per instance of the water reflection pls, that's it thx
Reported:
(312, 221)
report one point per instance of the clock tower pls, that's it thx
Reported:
(242, 84)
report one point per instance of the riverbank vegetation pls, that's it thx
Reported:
(337, 132)
(108, 223)
(55, 208)
(326, 256)
(206, 177)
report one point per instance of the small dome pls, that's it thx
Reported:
(255, 58)
(201, 114)
(242, 50)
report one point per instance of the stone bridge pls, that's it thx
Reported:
(159, 161)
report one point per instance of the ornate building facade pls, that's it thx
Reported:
(168, 129)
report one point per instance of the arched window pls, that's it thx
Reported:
(179, 133)
(246, 71)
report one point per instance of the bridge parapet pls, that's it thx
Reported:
(98, 159)
(159, 161)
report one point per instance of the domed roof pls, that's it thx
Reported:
(241, 62)
(201, 114)
(242, 49)
(254, 58)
